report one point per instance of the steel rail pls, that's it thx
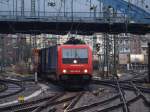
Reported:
(22, 88)
(125, 107)
(130, 87)
(26, 109)
(119, 105)
(4, 87)
(33, 105)
(74, 101)
(26, 104)
(138, 91)
(123, 85)
(82, 108)
(55, 103)
(46, 104)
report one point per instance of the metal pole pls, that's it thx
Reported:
(35, 46)
(1, 59)
(72, 9)
(13, 7)
(22, 7)
(64, 7)
(107, 55)
(16, 7)
(149, 62)
(30, 53)
(115, 68)
(104, 56)
(3, 54)
(33, 8)
(100, 8)
(38, 8)
(90, 8)
(44, 7)
(106, 36)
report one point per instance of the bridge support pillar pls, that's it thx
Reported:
(149, 62)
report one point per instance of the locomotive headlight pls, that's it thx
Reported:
(64, 71)
(74, 61)
(85, 71)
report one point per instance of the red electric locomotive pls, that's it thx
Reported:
(71, 64)
(74, 63)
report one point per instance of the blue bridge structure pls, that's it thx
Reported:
(117, 16)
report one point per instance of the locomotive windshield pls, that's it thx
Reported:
(71, 54)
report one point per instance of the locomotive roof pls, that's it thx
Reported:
(74, 41)
(74, 46)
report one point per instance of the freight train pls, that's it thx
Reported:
(71, 64)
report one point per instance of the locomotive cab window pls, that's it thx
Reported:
(75, 55)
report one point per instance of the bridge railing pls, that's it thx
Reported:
(63, 17)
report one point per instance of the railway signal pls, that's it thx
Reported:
(97, 47)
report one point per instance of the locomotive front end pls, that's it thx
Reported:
(75, 64)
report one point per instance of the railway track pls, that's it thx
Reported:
(48, 103)
(74, 102)
(125, 102)
(120, 100)
(123, 84)
(26, 106)
(100, 103)
(39, 104)
(3, 87)
(139, 92)
(52, 102)
(119, 105)
(136, 76)
(122, 97)
(11, 88)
